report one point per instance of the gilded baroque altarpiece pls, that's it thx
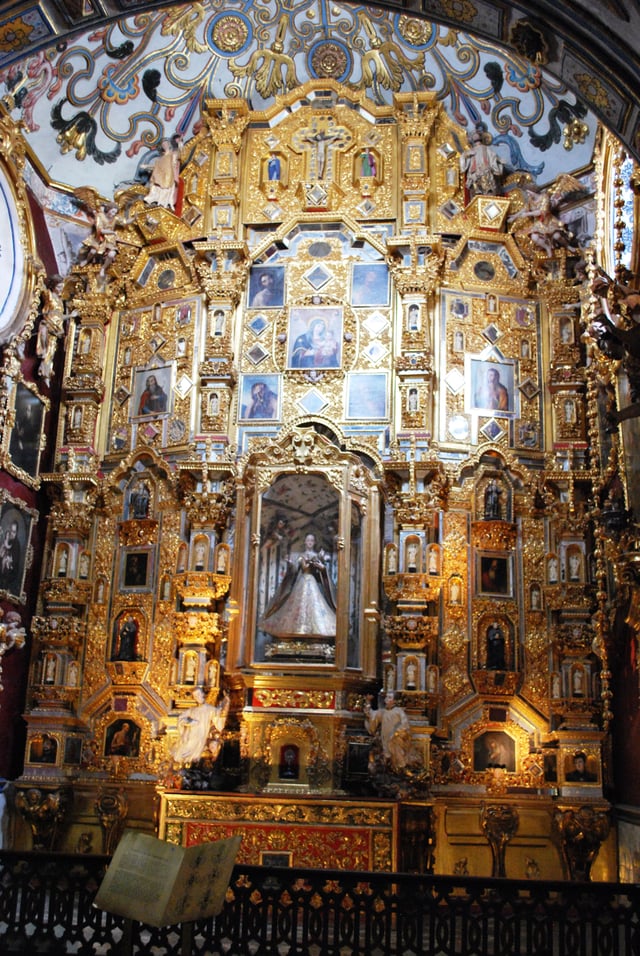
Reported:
(327, 431)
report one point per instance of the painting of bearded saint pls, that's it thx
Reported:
(303, 605)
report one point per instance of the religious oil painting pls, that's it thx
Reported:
(43, 748)
(370, 284)
(494, 574)
(122, 739)
(136, 570)
(26, 435)
(494, 749)
(315, 337)
(266, 287)
(298, 571)
(491, 387)
(15, 553)
(73, 751)
(259, 399)
(152, 392)
(367, 395)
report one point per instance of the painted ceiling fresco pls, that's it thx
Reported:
(96, 106)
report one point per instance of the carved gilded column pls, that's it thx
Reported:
(44, 811)
(112, 807)
(499, 823)
(581, 832)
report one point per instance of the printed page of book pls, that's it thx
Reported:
(162, 884)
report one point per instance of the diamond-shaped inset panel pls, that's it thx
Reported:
(257, 354)
(446, 150)
(122, 394)
(366, 208)
(529, 388)
(375, 323)
(492, 210)
(150, 431)
(492, 430)
(455, 380)
(157, 342)
(258, 324)
(491, 333)
(312, 402)
(449, 209)
(375, 352)
(183, 386)
(318, 276)
(317, 195)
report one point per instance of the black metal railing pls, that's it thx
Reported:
(46, 906)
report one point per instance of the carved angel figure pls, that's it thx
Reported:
(539, 216)
(100, 245)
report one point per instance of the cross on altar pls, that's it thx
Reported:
(319, 142)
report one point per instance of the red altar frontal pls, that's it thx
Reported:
(349, 834)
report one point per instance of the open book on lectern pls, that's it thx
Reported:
(162, 884)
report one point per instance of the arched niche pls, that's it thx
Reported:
(311, 538)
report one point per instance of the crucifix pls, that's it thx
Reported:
(319, 141)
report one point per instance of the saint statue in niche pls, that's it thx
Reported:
(496, 659)
(492, 501)
(304, 604)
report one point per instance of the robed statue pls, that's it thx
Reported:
(303, 605)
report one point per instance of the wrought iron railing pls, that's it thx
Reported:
(46, 906)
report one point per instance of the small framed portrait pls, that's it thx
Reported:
(315, 337)
(494, 574)
(152, 392)
(370, 284)
(367, 395)
(266, 287)
(494, 749)
(122, 739)
(16, 521)
(73, 751)
(550, 761)
(25, 438)
(135, 570)
(580, 768)
(43, 748)
(491, 387)
(260, 397)
(183, 313)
